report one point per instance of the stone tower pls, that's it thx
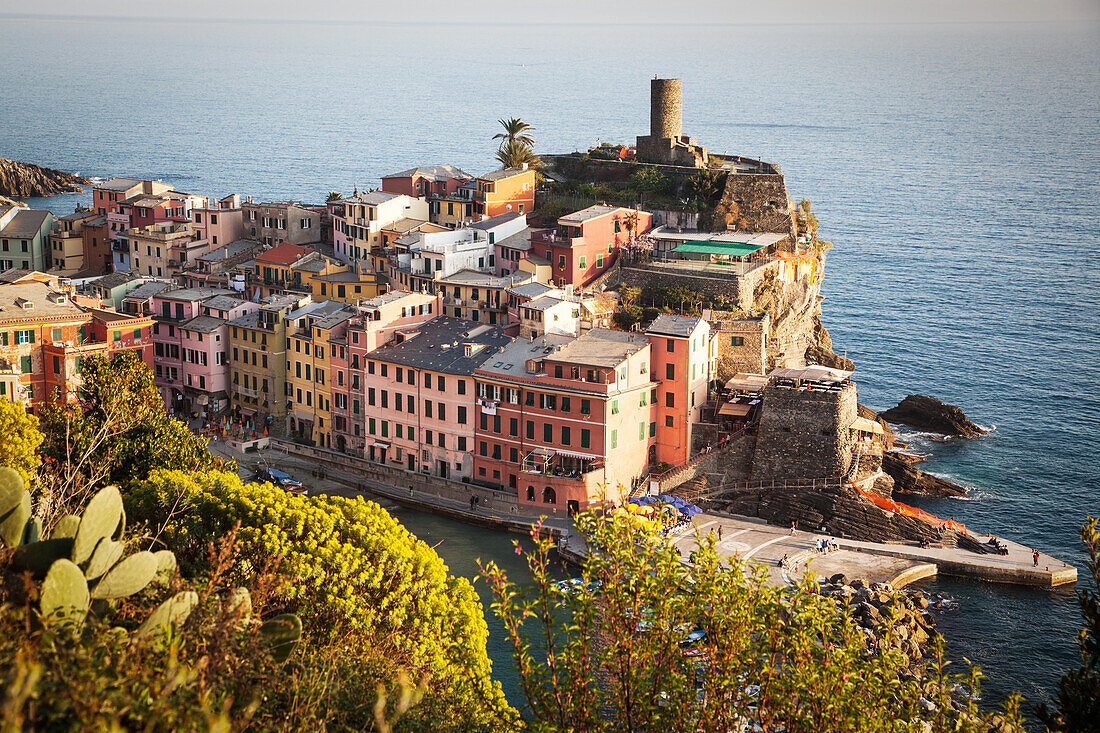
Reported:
(666, 142)
(666, 108)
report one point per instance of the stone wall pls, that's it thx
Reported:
(731, 462)
(738, 290)
(732, 357)
(756, 202)
(804, 433)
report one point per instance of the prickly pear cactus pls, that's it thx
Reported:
(100, 519)
(15, 507)
(66, 527)
(282, 634)
(64, 596)
(128, 577)
(174, 611)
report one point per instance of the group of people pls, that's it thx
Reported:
(826, 545)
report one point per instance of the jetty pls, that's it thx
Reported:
(745, 539)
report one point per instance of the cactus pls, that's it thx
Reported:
(107, 553)
(128, 577)
(166, 566)
(11, 490)
(32, 530)
(64, 594)
(239, 603)
(173, 611)
(11, 528)
(66, 527)
(38, 557)
(101, 517)
(282, 634)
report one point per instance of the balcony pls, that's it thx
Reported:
(560, 463)
(245, 391)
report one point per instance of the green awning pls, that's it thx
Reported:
(731, 249)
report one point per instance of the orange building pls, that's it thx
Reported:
(505, 190)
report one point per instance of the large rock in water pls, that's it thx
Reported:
(928, 413)
(908, 479)
(26, 179)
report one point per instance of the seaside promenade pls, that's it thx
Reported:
(736, 537)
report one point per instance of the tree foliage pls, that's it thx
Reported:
(651, 180)
(707, 185)
(119, 431)
(351, 567)
(611, 654)
(514, 154)
(19, 439)
(1077, 707)
(515, 131)
(333, 196)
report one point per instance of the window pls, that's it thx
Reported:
(565, 436)
(461, 387)
(652, 429)
(670, 400)
(668, 421)
(530, 430)
(615, 438)
(599, 260)
(461, 414)
(670, 371)
(547, 433)
(565, 404)
(737, 341)
(583, 262)
(56, 334)
(561, 261)
(670, 345)
(118, 335)
(614, 407)
(586, 407)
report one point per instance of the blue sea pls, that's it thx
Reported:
(954, 167)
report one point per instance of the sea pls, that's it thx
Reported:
(955, 169)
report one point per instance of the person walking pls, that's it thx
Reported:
(792, 528)
(1035, 557)
(719, 533)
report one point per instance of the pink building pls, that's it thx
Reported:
(419, 396)
(585, 243)
(217, 223)
(426, 180)
(561, 420)
(191, 347)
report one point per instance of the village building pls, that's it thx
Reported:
(585, 243)
(508, 190)
(70, 249)
(24, 235)
(276, 222)
(477, 296)
(308, 386)
(257, 359)
(681, 362)
(357, 234)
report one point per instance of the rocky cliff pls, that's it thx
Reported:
(26, 179)
(5, 201)
(928, 413)
(908, 479)
(797, 335)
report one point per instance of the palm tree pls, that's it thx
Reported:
(514, 154)
(515, 131)
(334, 196)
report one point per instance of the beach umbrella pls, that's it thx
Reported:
(691, 511)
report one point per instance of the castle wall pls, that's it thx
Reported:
(739, 290)
(666, 107)
(756, 202)
(804, 433)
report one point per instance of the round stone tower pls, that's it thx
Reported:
(665, 108)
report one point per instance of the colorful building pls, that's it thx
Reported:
(308, 370)
(24, 235)
(67, 247)
(682, 363)
(276, 222)
(45, 335)
(353, 284)
(508, 190)
(480, 297)
(358, 232)
(217, 223)
(585, 243)
(565, 421)
(257, 359)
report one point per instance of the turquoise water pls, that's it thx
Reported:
(954, 167)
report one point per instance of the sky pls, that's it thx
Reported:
(576, 11)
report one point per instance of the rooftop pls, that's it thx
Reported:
(284, 254)
(372, 198)
(40, 297)
(544, 303)
(202, 324)
(432, 173)
(77, 215)
(601, 347)
(335, 319)
(439, 346)
(230, 250)
(348, 276)
(115, 279)
(385, 298)
(495, 221)
(532, 289)
(118, 184)
(501, 174)
(25, 224)
(590, 213)
(512, 359)
(193, 294)
(669, 325)
(147, 290)
(404, 226)
(485, 279)
(317, 310)
(521, 240)
(222, 302)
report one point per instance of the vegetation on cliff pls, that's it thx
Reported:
(26, 179)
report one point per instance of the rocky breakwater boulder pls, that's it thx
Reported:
(888, 618)
(908, 479)
(842, 511)
(26, 179)
(928, 413)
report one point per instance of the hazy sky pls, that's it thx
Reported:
(579, 11)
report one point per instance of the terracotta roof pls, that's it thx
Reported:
(284, 254)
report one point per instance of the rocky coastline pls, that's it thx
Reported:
(928, 413)
(21, 180)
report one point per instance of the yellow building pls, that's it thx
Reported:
(309, 367)
(349, 286)
(257, 358)
(288, 268)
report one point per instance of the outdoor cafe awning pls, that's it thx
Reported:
(729, 249)
(864, 425)
(746, 382)
(572, 454)
(735, 409)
